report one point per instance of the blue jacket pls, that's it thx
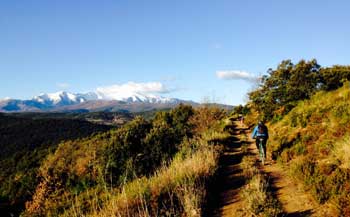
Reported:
(256, 133)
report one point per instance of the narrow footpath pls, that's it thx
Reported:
(225, 198)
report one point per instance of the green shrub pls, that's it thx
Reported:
(134, 151)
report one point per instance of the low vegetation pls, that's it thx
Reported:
(308, 110)
(145, 168)
(174, 190)
(313, 140)
(257, 193)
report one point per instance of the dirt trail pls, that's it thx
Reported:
(224, 199)
(291, 194)
(227, 202)
(294, 200)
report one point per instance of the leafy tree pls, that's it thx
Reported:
(333, 77)
(205, 118)
(141, 146)
(122, 150)
(282, 88)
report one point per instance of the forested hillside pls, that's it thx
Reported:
(105, 118)
(24, 144)
(64, 167)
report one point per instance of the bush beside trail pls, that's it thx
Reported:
(146, 168)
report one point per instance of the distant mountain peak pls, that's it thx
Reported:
(67, 101)
(58, 98)
(135, 97)
(5, 99)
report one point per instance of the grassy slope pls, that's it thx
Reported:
(313, 140)
(174, 190)
(178, 189)
(75, 180)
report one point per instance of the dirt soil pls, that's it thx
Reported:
(225, 201)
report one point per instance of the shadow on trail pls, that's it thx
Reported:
(223, 190)
(273, 190)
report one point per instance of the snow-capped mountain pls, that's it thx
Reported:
(59, 98)
(5, 99)
(65, 101)
(65, 98)
(88, 96)
(135, 97)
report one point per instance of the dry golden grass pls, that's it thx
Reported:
(341, 152)
(182, 181)
(325, 117)
(254, 193)
(248, 168)
(258, 200)
(215, 135)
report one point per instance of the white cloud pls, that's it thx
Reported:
(62, 85)
(237, 75)
(131, 88)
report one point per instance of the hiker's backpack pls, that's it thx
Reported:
(262, 129)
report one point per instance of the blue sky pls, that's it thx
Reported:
(81, 45)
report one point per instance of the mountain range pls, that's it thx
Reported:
(92, 101)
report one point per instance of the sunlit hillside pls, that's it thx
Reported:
(313, 140)
(145, 168)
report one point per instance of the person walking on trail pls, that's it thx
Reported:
(241, 118)
(260, 131)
